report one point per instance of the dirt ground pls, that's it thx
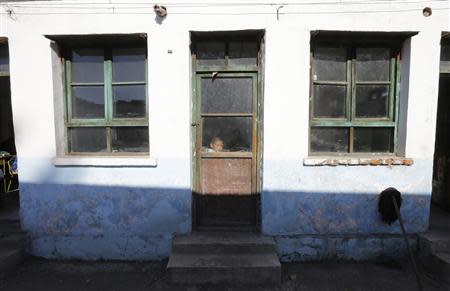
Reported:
(39, 274)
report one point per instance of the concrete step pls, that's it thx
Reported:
(10, 227)
(10, 258)
(17, 240)
(223, 243)
(438, 265)
(435, 241)
(238, 269)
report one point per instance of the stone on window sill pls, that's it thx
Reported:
(110, 161)
(357, 161)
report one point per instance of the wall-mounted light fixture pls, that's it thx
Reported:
(427, 12)
(161, 11)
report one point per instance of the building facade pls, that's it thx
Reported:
(319, 107)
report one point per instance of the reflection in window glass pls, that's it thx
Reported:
(130, 139)
(377, 140)
(227, 95)
(327, 139)
(330, 64)
(243, 52)
(128, 64)
(87, 66)
(210, 52)
(329, 101)
(372, 101)
(88, 139)
(88, 102)
(129, 101)
(4, 58)
(372, 64)
(235, 134)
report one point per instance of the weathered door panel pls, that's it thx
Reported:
(226, 176)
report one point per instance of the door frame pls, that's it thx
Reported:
(257, 70)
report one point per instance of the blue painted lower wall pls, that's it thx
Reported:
(86, 221)
(93, 222)
(306, 248)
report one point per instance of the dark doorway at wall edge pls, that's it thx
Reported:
(9, 194)
(441, 165)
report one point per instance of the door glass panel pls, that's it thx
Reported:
(210, 53)
(372, 101)
(87, 66)
(243, 53)
(88, 102)
(227, 95)
(227, 134)
(130, 139)
(129, 101)
(326, 139)
(330, 64)
(372, 64)
(88, 139)
(329, 101)
(377, 140)
(128, 64)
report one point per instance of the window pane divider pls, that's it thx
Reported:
(391, 89)
(68, 76)
(108, 86)
(226, 114)
(336, 83)
(87, 84)
(344, 123)
(128, 83)
(373, 82)
(234, 68)
(104, 123)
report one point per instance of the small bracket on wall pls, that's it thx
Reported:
(278, 12)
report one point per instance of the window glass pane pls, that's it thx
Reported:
(372, 100)
(129, 101)
(328, 139)
(329, 101)
(228, 134)
(4, 58)
(373, 139)
(88, 102)
(87, 66)
(210, 52)
(243, 52)
(88, 139)
(445, 58)
(227, 95)
(128, 64)
(372, 64)
(330, 64)
(130, 139)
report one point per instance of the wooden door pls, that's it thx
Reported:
(226, 148)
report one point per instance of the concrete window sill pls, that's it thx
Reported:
(357, 161)
(82, 161)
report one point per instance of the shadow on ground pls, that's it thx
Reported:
(39, 274)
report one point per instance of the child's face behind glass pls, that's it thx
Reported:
(217, 146)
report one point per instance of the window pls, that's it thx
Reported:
(353, 98)
(106, 90)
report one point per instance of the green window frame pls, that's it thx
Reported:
(113, 131)
(345, 131)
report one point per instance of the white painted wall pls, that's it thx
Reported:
(287, 65)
